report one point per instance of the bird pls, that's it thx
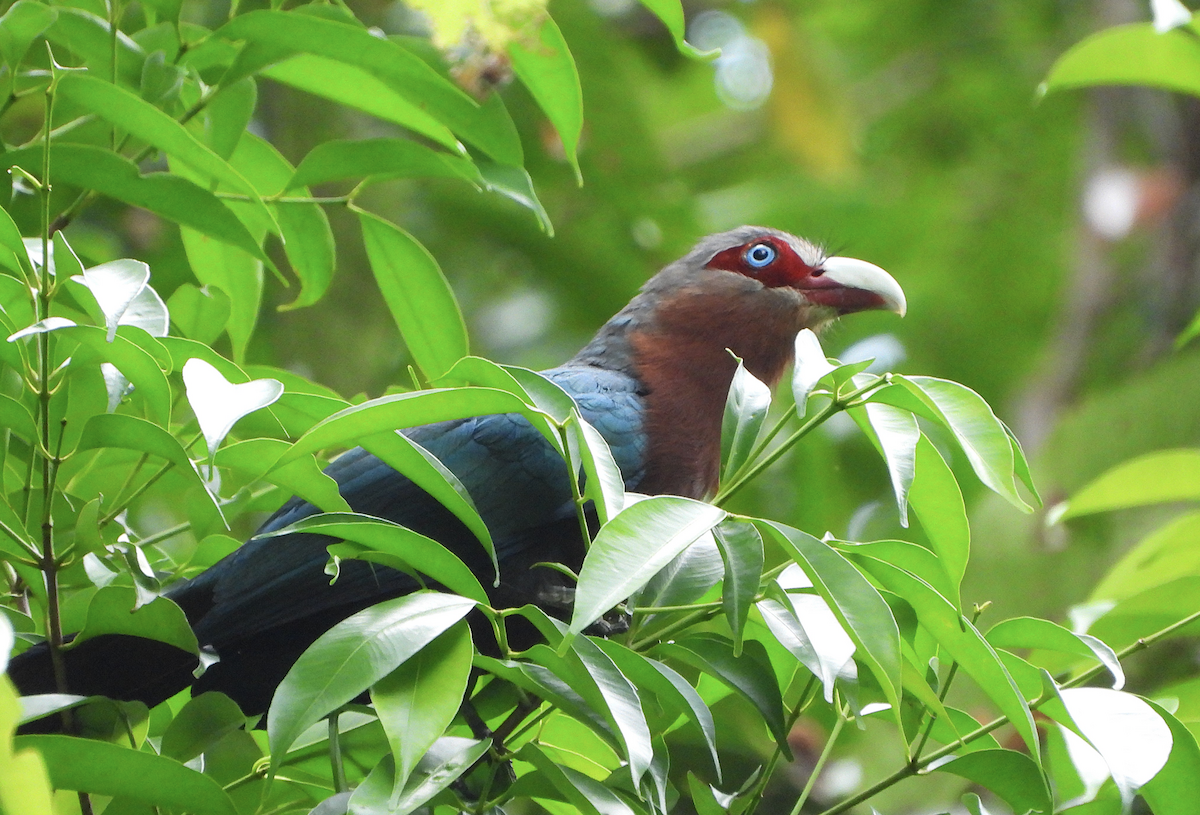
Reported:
(653, 382)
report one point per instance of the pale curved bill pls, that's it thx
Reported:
(859, 274)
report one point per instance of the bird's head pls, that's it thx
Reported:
(777, 260)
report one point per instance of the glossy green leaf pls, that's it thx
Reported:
(356, 88)
(176, 199)
(101, 768)
(24, 782)
(303, 477)
(1011, 775)
(417, 294)
(811, 366)
(632, 547)
(228, 115)
(131, 433)
(353, 655)
(423, 468)
(937, 500)
(1154, 478)
(414, 550)
(746, 407)
(90, 37)
(308, 242)
(895, 434)
(603, 483)
(137, 365)
(547, 69)
(1172, 790)
(686, 578)
(1133, 740)
(983, 438)
(112, 611)
(961, 641)
(403, 410)
(672, 691)
(586, 795)
(1030, 632)
(20, 26)
(199, 313)
(379, 158)
(10, 236)
(234, 272)
(446, 761)
(749, 675)
(591, 673)
(487, 126)
(912, 558)
(418, 701)
(1133, 54)
(1166, 554)
(219, 403)
(544, 684)
(202, 722)
(514, 183)
(741, 549)
(806, 626)
(671, 14)
(138, 117)
(16, 417)
(115, 285)
(859, 608)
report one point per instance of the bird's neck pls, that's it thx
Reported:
(682, 358)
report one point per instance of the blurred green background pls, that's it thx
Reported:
(1047, 245)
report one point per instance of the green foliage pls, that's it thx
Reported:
(107, 497)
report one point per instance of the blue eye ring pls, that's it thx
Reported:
(760, 255)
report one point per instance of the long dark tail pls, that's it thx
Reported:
(118, 666)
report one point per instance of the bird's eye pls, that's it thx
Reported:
(760, 255)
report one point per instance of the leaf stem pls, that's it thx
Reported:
(802, 704)
(335, 754)
(838, 403)
(826, 752)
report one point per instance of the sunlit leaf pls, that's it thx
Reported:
(101, 768)
(961, 641)
(199, 313)
(811, 366)
(1011, 775)
(982, 436)
(417, 701)
(219, 403)
(1154, 478)
(411, 549)
(354, 87)
(746, 407)
(417, 294)
(379, 158)
(547, 69)
(1130, 736)
(859, 608)
(1030, 632)
(671, 14)
(895, 434)
(632, 547)
(1133, 54)
(1170, 791)
(741, 548)
(353, 655)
